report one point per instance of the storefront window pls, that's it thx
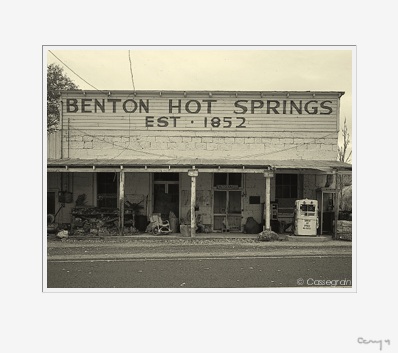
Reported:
(107, 190)
(165, 176)
(230, 179)
(286, 186)
(220, 179)
(235, 179)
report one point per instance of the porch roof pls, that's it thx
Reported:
(298, 164)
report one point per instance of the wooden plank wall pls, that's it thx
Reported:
(96, 113)
(54, 145)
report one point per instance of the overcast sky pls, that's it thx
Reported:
(212, 68)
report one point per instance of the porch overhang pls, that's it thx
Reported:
(202, 165)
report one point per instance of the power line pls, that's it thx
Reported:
(131, 72)
(76, 73)
(124, 148)
(286, 149)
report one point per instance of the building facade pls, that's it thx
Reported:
(226, 156)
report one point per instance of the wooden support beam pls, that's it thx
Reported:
(193, 174)
(267, 208)
(336, 207)
(121, 203)
(99, 169)
(193, 204)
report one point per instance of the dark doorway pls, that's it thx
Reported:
(51, 202)
(227, 208)
(166, 193)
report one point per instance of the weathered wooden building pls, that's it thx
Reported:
(226, 155)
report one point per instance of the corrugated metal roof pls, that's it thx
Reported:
(202, 92)
(199, 162)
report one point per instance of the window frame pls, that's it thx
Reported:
(98, 194)
(291, 186)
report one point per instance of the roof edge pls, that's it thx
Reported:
(202, 92)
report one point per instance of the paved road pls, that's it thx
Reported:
(200, 272)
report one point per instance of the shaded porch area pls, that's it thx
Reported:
(192, 169)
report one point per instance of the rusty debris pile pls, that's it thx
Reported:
(95, 221)
(344, 230)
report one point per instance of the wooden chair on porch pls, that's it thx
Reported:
(159, 226)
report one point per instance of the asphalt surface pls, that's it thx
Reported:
(196, 263)
(203, 273)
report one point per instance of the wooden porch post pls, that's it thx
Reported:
(121, 202)
(267, 208)
(193, 174)
(336, 208)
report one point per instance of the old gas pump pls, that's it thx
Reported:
(306, 217)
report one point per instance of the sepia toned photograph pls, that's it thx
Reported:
(198, 177)
(195, 168)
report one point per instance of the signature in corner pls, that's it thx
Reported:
(361, 340)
